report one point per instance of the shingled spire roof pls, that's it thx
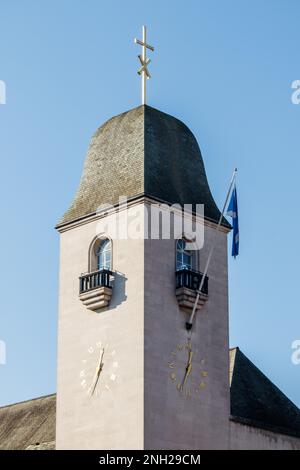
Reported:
(143, 152)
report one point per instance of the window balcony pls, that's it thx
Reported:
(95, 289)
(187, 284)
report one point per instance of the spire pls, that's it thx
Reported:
(143, 152)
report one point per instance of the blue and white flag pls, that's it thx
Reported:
(232, 211)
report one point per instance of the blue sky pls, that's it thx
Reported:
(225, 69)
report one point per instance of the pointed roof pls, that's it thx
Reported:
(28, 424)
(143, 152)
(256, 401)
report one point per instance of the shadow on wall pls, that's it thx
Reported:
(119, 290)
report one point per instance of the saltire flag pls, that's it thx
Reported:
(232, 211)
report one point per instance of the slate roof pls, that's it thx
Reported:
(29, 424)
(143, 152)
(256, 401)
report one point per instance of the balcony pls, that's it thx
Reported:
(95, 289)
(187, 284)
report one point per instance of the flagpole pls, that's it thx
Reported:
(189, 324)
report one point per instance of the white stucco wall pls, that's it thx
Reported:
(173, 421)
(243, 437)
(114, 420)
(144, 324)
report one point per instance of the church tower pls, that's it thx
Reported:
(130, 374)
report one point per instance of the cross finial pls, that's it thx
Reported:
(143, 71)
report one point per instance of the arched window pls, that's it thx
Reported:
(103, 255)
(184, 257)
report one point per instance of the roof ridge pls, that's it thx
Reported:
(28, 400)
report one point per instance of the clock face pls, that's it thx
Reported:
(99, 371)
(187, 370)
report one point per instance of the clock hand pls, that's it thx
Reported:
(97, 373)
(188, 369)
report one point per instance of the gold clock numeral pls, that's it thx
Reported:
(173, 376)
(204, 373)
(202, 385)
(171, 365)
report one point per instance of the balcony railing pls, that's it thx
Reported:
(191, 280)
(94, 280)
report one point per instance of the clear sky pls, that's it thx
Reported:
(223, 67)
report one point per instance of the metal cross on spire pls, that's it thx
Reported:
(143, 71)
